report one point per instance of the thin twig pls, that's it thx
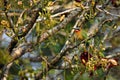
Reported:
(7, 17)
(107, 12)
(60, 13)
(20, 17)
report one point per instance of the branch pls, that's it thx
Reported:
(108, 13)
(92, 32)
(79, 21)
(35, 13)
(17, 52)
(31, 23)
(20, 50)
(23, 33)
(6, 15)
(35, 59)
(60, 26)
(113, 55)
(62, 53)
(60, 13)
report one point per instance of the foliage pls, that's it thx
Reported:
(59, 39)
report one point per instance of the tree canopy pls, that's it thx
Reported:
(59, 39)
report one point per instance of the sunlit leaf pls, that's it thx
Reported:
(5, 23)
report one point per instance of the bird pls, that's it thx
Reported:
(80, 34)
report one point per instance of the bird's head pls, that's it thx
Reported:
(77, 29)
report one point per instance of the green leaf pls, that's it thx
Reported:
(4, 56)
(84, 34)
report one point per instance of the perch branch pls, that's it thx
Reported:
(60, 26)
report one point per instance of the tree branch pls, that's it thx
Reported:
(60, 26)
(20, 50)
(91, 33)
